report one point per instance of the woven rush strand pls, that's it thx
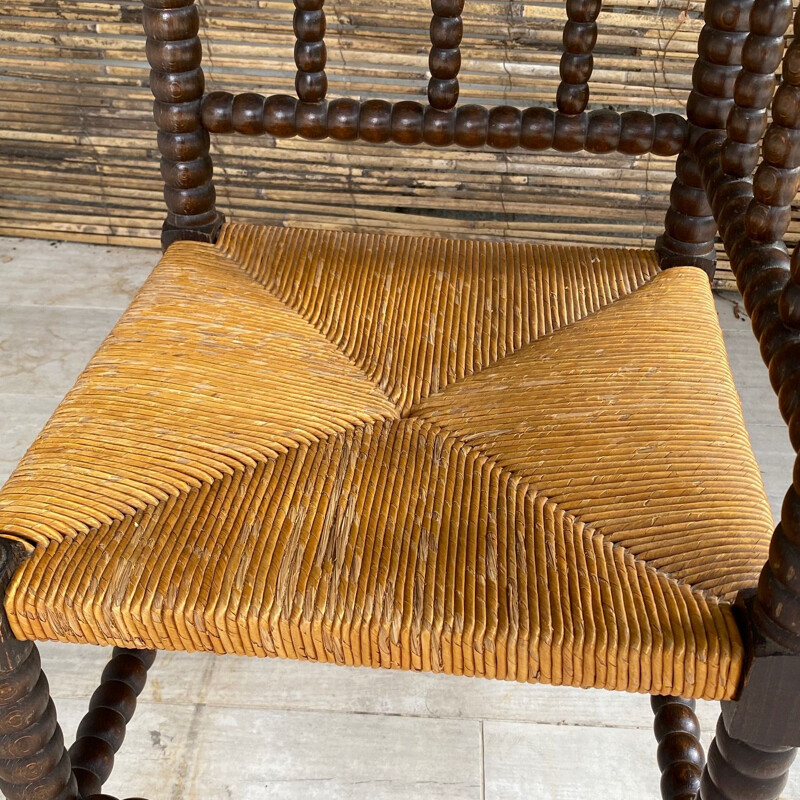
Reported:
(462, 457)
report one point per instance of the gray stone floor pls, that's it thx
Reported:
(215, 727)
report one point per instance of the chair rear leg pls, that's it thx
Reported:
(737, 770)
(689, 226)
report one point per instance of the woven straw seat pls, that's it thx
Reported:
(512, 461)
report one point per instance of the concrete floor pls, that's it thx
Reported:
(216, 727)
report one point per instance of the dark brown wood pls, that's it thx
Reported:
(775, 182)
(108, 797)
(580, 36)
(177, 83)
(689, 226)
(470, 126)
(444, 59)
(757, 732)
(34, 765)
(680, 754)
(310, 54)
(767, 708)
(102, 731)
(740, 771)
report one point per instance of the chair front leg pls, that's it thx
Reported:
(757, 734)
(737, 770)
(34, 765)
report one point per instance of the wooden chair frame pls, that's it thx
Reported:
(719, 187)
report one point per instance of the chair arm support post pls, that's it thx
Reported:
(174, 53)
(766, 712)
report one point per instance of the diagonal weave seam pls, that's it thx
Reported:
(710, 686)
(262, 288)
(227, 245)
(477, 423)
(607, 555)
(244, 246)
(138, 494)
(229, 255)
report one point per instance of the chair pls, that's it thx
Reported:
(498, 460)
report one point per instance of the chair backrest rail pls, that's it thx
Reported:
(579, 39)
(471, 126)
(691, 223)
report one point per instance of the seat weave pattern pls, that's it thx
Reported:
(478, 458)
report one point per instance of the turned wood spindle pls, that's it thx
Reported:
(33, 760)
(579, 38)
(34, 765)
(753, 749)
(680, 754)
(690, 224)
(754, 86)
(739, 771)
(753, 217)
(444, 59)
(310, 54)
(177, 82)
(758, 50)
(775, 185)
(102, 731)
(410, 123)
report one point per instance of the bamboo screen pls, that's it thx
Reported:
(77, 143)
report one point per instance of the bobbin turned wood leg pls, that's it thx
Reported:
(737, 770)
(34, 765)
(689, 227)
(102, 730)
(757, 734)
(177, 82)
(680, 754)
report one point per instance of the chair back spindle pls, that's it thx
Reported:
(444, 60)
(310, 54)
(580, 36)
(739, 50)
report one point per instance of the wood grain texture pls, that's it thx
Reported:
(369, 399)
